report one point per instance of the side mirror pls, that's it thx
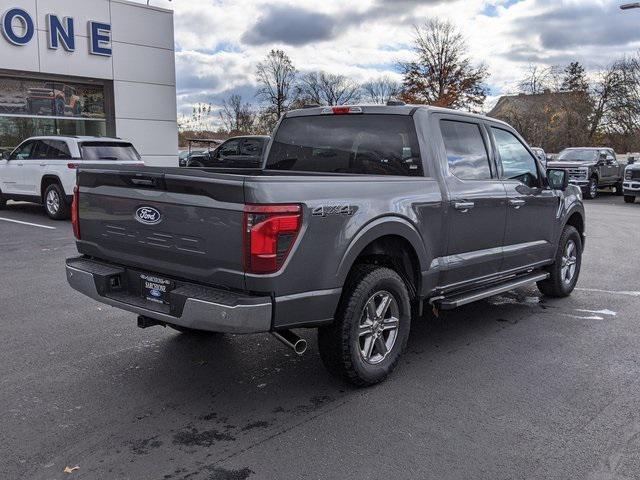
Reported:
(631, 161)
(558, 179)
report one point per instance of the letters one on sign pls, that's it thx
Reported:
(18, 28)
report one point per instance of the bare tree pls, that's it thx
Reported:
(328, 89)
(617, 102)
(200, 118)
(540, 80)
(237, 117)
(382, 89)
(276, 77)
(606, 92)
(442, 74)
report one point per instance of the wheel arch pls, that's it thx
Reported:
(389, 241)
(575, 218)
(49, 180)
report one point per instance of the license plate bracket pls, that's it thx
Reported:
(156, 289)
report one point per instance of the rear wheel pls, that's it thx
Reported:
(364, 343)
(55, 203)
(591, 191)
(565, 271)
(629, 198)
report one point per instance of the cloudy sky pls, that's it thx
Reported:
(219, 42)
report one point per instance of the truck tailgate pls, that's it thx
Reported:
(184, 224)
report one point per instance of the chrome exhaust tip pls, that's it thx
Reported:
(291, 340)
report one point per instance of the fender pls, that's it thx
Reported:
(45, 179)
(381, 227)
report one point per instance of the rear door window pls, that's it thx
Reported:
(466, 150)
(40, 151)
(229, 149)
(58, 150)
(373, 144)
(121, 151)
(252, 147)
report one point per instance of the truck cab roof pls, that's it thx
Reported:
(407, 110)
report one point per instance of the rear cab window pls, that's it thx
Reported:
(117, 151)
(365, 144)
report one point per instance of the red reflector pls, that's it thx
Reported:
(75, 208)
(269, 234)
(341, 110)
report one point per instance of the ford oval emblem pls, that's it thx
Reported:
(148, 216)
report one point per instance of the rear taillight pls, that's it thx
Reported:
(269, 234)
(75, 218)
(72, 166)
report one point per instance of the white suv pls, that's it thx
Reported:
(43, 169)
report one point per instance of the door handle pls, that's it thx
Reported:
(517, 203)
(463, 207)
(43, 164)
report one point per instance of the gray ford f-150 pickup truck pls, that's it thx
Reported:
(359, 217)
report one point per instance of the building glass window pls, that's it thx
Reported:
(30, 107)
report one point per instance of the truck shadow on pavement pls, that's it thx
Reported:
(204, 400)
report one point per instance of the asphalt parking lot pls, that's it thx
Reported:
(514, 387)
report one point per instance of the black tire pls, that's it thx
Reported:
(195, 164)
(3, 201)
(341, 343)
(619, 189)
(558, 285)
(629, 198)
(55, 203)
(591, 191)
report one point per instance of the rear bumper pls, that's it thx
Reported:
(196, 307)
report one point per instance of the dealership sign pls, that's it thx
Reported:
(60, 32)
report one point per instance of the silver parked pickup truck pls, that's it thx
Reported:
(358, 218)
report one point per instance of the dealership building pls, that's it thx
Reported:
(89, 67)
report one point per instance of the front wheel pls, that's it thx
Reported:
(619, 189)
(364, 343)
(565, 270)
(55, 203)
(629, 198)
(591, 191)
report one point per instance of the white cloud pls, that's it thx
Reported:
(219, 42)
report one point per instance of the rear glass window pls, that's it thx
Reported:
(466, 150)
(355, 144)
(108, 151)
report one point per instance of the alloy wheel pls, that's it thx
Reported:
(569, 262)
(53, 202)
(378, 328)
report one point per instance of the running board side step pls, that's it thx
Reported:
(449, 303)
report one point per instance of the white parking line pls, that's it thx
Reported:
(27, 223)
(611, 292)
